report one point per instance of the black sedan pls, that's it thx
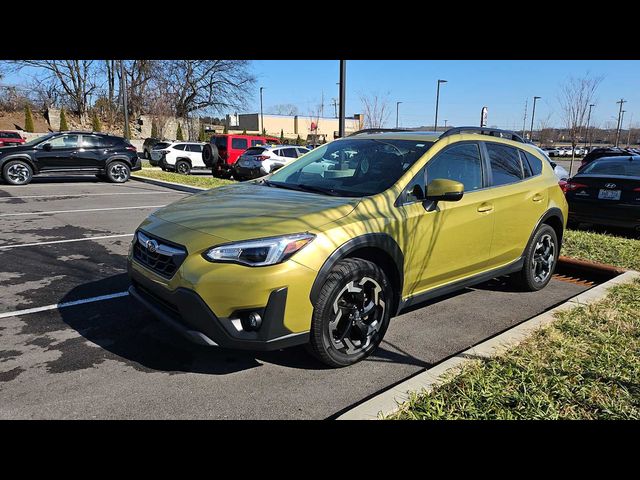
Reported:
(606, 192)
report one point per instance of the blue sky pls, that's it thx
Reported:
(501, 85)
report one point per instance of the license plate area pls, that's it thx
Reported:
(609, 194)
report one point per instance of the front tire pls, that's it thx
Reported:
(17, 172)
(351, 314)
(118, 172)
(540, 260)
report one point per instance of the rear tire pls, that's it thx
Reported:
(540, 260)
(351, 314)
(118, 172)
(17, 172)
(182, 167)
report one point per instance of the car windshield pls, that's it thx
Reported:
(625, 167)
(351, 167)
(40, 139)
(160, 145)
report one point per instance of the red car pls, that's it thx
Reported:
(230, 146)
(10, 139)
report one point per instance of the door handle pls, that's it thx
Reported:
(538, 197)
(486, 207)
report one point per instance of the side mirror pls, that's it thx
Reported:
(442, 189)
(47, 147)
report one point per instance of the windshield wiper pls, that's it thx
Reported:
(286, 186)
(311, 188)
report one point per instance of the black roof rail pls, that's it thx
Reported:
(494, 132)
(380, 130)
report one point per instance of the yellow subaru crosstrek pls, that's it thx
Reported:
(327, 249)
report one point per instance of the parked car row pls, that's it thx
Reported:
(566, 151)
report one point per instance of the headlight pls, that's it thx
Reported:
(261, 252)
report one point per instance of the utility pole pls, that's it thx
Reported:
(445, 124)
(261, 114)
(629, 131)
(343, 78)
(621, 102)
(621, 120)
(124, 100)
(334, 102)
(533, 114)
(588, 137)
(524, 121)
(435, 123)
(397, 113)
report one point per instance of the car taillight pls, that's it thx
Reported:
(571, 186)
(636, 189)
(261, 158)
(131, 148)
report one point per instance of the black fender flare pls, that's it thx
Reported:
(18, 156)
(121, 158)
(552, 212)
(382, 241)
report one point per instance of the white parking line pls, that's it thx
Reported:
(51, 212)
(63, 305)
(157, 192)
(6, 247)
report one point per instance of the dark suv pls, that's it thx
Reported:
(109, 157)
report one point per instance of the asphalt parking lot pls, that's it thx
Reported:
(111, 359)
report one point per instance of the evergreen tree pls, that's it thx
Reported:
(244, 132)
(179, 134)
(96, 125)
(226, 128)
(63, 121)
(28, 119)
(281, 135)
(154, 130)
(298, 140)
(202, 136)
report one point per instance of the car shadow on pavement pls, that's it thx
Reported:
(128, 333)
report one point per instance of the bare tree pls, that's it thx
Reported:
(76, 78)
(375, 109)
(218, 85)
(284, 109)
(575, 96)
(546, 131)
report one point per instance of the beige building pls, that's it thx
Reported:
(326, 128)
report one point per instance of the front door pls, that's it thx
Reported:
(62, 154)
(453, 240)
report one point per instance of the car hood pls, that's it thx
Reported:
(248, 210)
(18, 147)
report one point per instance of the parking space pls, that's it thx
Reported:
(100, 355)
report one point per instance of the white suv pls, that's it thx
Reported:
(182, 157)
(261, 160)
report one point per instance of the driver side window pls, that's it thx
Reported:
(64, 141)
(461, 163)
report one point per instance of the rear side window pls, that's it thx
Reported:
(533, 162)
(505, 164)
(302, 151)
(239, 143)
(91, 141)
(461, 163)
(290, 152)
(180, 146)
(194, 148)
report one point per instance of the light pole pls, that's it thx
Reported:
(588, 137)
(621, 120)
(435, 124)
(261, 115)
(397, 113)
(445, 124)
(533, 114)
(622, 101)
(343, 78)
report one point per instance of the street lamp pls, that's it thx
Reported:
(588, 137)
(533, 114)
(397, 112)
(435, 124)
(445, 124)
(261, 115)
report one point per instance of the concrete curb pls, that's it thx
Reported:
(388, 401)
(172, 185)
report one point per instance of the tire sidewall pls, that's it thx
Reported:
(182, 162)
(111, 165)
(6, 166)
(323, 312)
(528, 267)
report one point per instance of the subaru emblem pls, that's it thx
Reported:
(152, 246)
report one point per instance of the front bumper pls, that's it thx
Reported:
(185, 311)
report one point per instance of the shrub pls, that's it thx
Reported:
(154, 130)
(179, 134)
(63, 121)
(28, 119)
(96, 125)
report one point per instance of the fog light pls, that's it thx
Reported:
(252, 321)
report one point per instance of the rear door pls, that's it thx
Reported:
(519, 199)
(91, 153)
(195, 154)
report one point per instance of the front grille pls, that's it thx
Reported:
(158, 255)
